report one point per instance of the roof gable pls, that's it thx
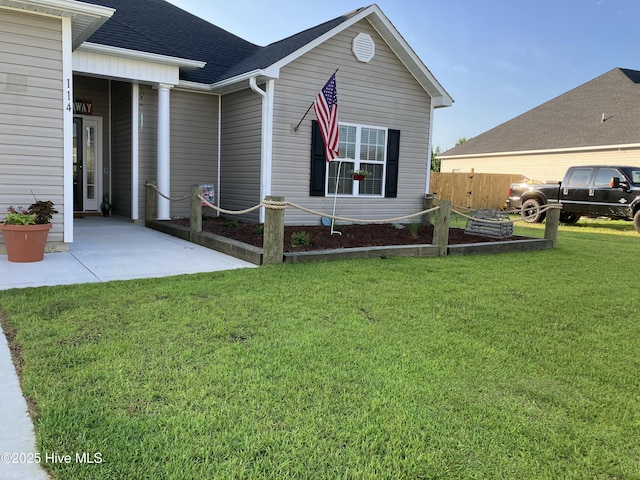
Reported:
(158, 27)
(279, 54)
(600, 112)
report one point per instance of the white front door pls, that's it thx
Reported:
(87, 163)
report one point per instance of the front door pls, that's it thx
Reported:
(87, 163)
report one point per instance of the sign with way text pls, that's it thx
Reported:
(82, 107)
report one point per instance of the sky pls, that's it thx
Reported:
(497, 59)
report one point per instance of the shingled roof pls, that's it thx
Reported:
(156, 26)
(601, 112)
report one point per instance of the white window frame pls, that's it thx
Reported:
(355, 185)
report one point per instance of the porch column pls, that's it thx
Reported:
(164, 150)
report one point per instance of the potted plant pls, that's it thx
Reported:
(360, 174)
(25, 231)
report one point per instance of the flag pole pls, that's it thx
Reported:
(295, 129)
(335, 198)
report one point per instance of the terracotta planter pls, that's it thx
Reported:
(358, 177)
(25, 243)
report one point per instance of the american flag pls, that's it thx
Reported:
(326, 108)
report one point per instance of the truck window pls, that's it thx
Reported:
(633, 174)
(604, 176)
(579, 177)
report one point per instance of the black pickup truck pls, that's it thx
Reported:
(589, 191)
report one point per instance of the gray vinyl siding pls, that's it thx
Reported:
(194, 145)
(122, 154)
(31, 113)
(240, 152)
(147, 148)
(381, 93)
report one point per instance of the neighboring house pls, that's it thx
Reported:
(595, 123)
(98, 97)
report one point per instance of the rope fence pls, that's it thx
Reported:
(518, 211)
(275, 213)
(270, 204)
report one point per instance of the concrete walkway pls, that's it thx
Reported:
(104, 249)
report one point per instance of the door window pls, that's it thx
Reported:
(579, 177)
(604, 176)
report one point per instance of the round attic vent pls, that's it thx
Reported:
(363, 47)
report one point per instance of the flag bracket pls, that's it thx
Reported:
(295, 129)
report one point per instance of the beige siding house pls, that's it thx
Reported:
(97, 100)
(596, 123)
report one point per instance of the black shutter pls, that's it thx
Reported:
(393, 156)
(318, 162)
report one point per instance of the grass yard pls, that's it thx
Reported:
(492, 367)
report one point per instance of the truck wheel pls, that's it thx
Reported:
(569, 218)
(636, 221)
(531, 211)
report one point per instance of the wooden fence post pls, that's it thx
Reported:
(551, 226)
(428, 205)
(441, 226)
(150, 211)
(273, 236)
(195, 218)
(469, 189)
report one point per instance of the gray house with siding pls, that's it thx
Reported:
(98, 98)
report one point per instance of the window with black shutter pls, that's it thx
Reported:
(375, 150)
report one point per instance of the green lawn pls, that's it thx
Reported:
(496, 367)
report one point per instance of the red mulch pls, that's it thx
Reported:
(358, 235)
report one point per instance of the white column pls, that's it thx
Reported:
(136, 126)
(164, 146)
(67, 131)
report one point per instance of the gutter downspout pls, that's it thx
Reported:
(429, 152)
(266, 146)
(219, 172)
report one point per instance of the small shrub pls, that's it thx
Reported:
(259, 230)
(300, 239)
(414, 228)
(233, 224)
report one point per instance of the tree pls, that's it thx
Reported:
(435, 162)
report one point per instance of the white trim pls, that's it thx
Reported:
(592, 148)
(357, 163)
(164, 151)
(85, 18)
(429, 150)
(67, 130)
(231, 84)
(59, 7)
(195, 87)
(110, 140)
(219, 173)
(136, 124)
(142, 56)
(266, 144)
(406, 55)
(97, 122)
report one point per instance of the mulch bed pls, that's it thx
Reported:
(357, 235)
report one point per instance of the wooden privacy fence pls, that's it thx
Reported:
(473, 190)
